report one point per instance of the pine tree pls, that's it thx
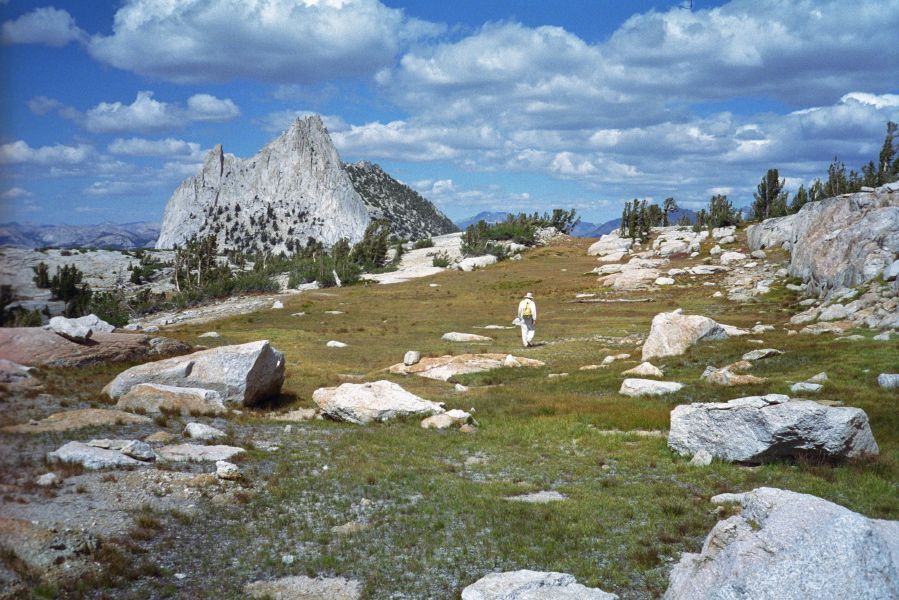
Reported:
(799, 200)
(770, 201)
(889, 164)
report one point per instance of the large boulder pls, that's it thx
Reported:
(38, 347)
(78, 419)
(157, 398)
(673, 333)
(245, 374)
(784, 546)
(532, 585)
(70, 329)
(91, 457)
(757, 428)
(363, 403)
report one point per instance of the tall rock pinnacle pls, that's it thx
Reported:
(294, 189)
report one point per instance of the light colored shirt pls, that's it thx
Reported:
(521, 306)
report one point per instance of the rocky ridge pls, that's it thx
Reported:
(411, 216)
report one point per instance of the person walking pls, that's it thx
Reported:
(527, 318)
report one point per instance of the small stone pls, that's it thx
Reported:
(210, 334)
(47, 479)
(819, 378)
(139, 450)
(888, 380)
(288, 559)
(412, 357)
(335, 344)
(201, 431)
(226, 470)
(703, 458)
(806, 387)
(277, 304)
(461, 388)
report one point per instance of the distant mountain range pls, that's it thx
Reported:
(124, 236)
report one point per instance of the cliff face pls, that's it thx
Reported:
(411, 216)
(293, 189)
(838, 242)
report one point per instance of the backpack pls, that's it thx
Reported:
(526, 311)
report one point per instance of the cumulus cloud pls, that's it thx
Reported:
(49, 26)
(16, 193)
(144, 115)
(167, 148)
(20, 152)
(274, 41)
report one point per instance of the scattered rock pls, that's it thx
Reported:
(725, 376)
(277, 304)
(138, 450)
(196, 452)
(648, 387)
(90, 457)
(888, 380)
(375, 401)
(645, 369)
(789, 545)
(226, 470)
(300, 414)
(157, 398)
(70, 329)
(444, 368)
(803, 386)
(412, 357)
(540, 497)
(673, 333)
(819, 378)
(614, 357)
(476, 262)
(757, 428)
(210, 334)
(703, 458)
(532, 585)
(451, 418)
(454, 336)
(336, 344)
(761, 353)
(245, 373)
(201, 431)
(48, 479)
(300, 587)
(350, 528)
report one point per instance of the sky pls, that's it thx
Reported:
(478, 105)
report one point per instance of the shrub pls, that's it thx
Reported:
(425, 243)
(441, 259)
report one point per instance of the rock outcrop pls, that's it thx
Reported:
(757, 428)
(37, 347)
(784, 545)
(295, 188)
(838, 242)
(245, 374)
(376, 401)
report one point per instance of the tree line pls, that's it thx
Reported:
(770, 200)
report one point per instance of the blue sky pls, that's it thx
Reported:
(478, 105)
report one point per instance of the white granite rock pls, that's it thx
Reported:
(648, 387)
(367, 402)
(532, 585)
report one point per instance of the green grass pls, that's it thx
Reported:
(437, 501)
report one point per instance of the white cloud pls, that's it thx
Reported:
(20, 152)
(209, 109)
(49, 26)
(167, 148)
(144, 115)
(16, 193)
(274, 41)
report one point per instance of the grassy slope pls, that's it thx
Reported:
(436, 501)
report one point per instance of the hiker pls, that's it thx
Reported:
(527, 317)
